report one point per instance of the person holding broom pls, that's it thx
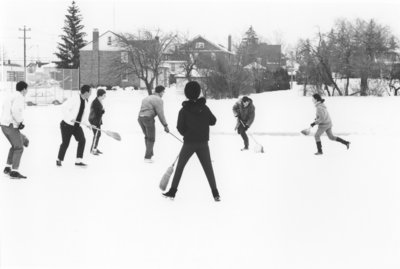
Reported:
(323, 120)
(151, 107)
(244, 111)
(96, 119)
(194, 121)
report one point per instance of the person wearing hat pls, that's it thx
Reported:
(151, 107)
(323, 120)
(194, 121)
(244, 111)
(96, 119)
(11, 122)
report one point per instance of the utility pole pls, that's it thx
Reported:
(25, 38)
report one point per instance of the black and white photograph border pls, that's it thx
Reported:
(288, 197)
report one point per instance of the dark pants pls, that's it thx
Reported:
(203, 153)
(66, 132)
(149, 130)
(14, 136)
(96, 137)
(242, 131)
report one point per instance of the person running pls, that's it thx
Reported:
(244, 111)
(323, 120)
(96, 119)
(74, 114)
(151, 107)
(11, 122)
(194, 121)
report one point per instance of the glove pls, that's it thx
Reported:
(21, 126)
(312, 124)
(166, 129)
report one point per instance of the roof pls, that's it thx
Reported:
(220, 47)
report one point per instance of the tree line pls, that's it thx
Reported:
(359, 49)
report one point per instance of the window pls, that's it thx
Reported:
(199, 45)
(172, 67)
(124, 57)
(213, 56)
(109, 41)
(124, 76)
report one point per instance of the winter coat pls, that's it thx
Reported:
(70, 110)
(322, 117)
(194, 121)
(96, 112)
(152, 106)
(244, 114)
(13, 110)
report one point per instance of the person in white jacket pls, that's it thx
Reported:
(75, 113)
(11, 122)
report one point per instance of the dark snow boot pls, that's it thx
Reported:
(170, 194)
(7, 170)
(319, 147)
(344, 142)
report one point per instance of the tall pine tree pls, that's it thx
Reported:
(72, 39)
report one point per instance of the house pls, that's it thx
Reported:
(201, 52)
(99, 60)
(10, 73)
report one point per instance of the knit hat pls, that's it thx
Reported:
(245, 99)
(192, 90)
(318, 98)
(159, 89)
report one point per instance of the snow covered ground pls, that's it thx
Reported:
(283, 209)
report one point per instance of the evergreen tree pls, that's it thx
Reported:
(72, 40)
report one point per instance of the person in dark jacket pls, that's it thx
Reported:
(194, 121)
(244, 110)
(323, 120)
(96, 119)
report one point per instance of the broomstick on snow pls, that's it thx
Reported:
(259, 147)
(167, 175)
(112, 134)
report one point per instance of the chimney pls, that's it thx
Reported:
(229, 42)
(96, 39)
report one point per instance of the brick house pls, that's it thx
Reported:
(205, 52)
(98, 60)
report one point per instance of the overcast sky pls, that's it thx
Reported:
(274, 21)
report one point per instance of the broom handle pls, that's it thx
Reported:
(176, 137)
(249, 133)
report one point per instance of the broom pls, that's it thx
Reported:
(167, 175)
(112, 134)
(259, 148)
(306, 131)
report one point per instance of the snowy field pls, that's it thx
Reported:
(284, 209)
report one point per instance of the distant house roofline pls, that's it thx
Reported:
(212, 43)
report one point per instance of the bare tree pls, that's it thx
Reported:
(145, 51)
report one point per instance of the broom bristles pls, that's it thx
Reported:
(114, 135)
(165, 179)
(305, 131)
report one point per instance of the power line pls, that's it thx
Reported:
(25, 38)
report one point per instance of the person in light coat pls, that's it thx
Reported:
(75, 113)
(323, 120)
(11, 122)
(151, 107)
